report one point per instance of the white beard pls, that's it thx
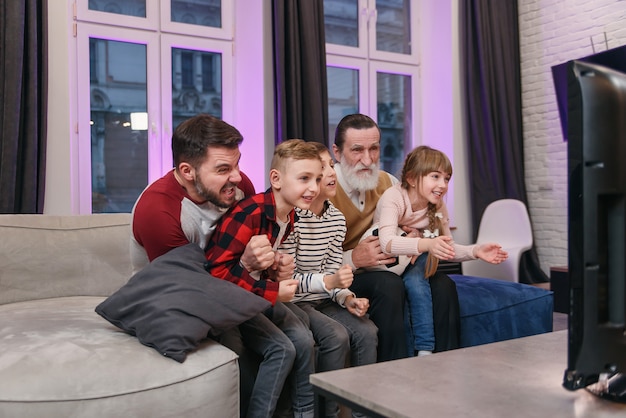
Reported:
(359, 181)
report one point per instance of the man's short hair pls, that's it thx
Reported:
(354, 121)
(194, 136)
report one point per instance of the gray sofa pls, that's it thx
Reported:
(61, 359)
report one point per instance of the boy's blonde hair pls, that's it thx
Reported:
(295, 149)
(320, 147)
(421, 161)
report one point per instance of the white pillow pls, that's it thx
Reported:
(403, 260)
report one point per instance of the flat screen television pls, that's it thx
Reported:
(597, 230)
(614, 58)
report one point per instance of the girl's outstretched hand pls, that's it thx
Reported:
(491, 253)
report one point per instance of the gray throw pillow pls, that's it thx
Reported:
(173, 303)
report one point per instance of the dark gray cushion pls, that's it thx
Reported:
(173, 303)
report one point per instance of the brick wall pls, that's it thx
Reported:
(553, 32)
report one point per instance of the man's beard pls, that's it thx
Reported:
(359, 181)
(210, 196)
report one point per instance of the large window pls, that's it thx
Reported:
(373, 66)
(143, 67)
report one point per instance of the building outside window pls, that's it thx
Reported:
(373, 68)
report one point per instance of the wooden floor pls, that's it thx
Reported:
(559, 321)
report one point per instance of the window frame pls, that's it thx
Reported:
(150, 22)
(375, 54)
(86, 31)
(169, 41)
(145, 31)
(359, 65)
(360, 51)
(370, 62)
(376, 67)
(224, 32)
(367, 18)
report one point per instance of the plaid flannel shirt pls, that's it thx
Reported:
(255, 215)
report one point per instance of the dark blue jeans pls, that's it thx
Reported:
(286, 347)
(340, 336)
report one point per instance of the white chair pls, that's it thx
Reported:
(506, 222)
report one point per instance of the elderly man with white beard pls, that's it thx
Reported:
(361, 183)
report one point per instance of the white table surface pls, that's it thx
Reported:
(515, 378)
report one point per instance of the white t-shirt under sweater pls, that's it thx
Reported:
(394, 209)
(316, 246)
(165, 217)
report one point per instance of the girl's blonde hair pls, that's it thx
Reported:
(418, 164)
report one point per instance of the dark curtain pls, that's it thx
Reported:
(491, 66)
(23, 93)
(301, 97)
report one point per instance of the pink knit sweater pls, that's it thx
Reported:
(394, 209)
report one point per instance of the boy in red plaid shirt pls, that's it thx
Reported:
(295, 175)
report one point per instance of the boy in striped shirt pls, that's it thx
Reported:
(337, 317)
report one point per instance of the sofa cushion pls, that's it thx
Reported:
(59, 358)
(173, 303)
(496, 310)
(48, 256)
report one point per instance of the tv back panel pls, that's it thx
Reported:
(597, 229)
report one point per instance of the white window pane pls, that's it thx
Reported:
(343, 96)
(120, 7)
(119, 153)
(196, 84)
(394, 119)
(197, 12)
(341, 22)
(393, 28)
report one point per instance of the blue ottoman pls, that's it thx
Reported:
(495, 310)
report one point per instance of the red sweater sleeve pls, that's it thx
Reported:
(156, 219)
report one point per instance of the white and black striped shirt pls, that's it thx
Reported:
(317, 247)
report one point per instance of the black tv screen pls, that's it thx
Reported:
(597, 229)
(614, 58)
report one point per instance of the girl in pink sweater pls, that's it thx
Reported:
(416, 204)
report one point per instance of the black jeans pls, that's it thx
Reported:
(446, 312)
(385, 291)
